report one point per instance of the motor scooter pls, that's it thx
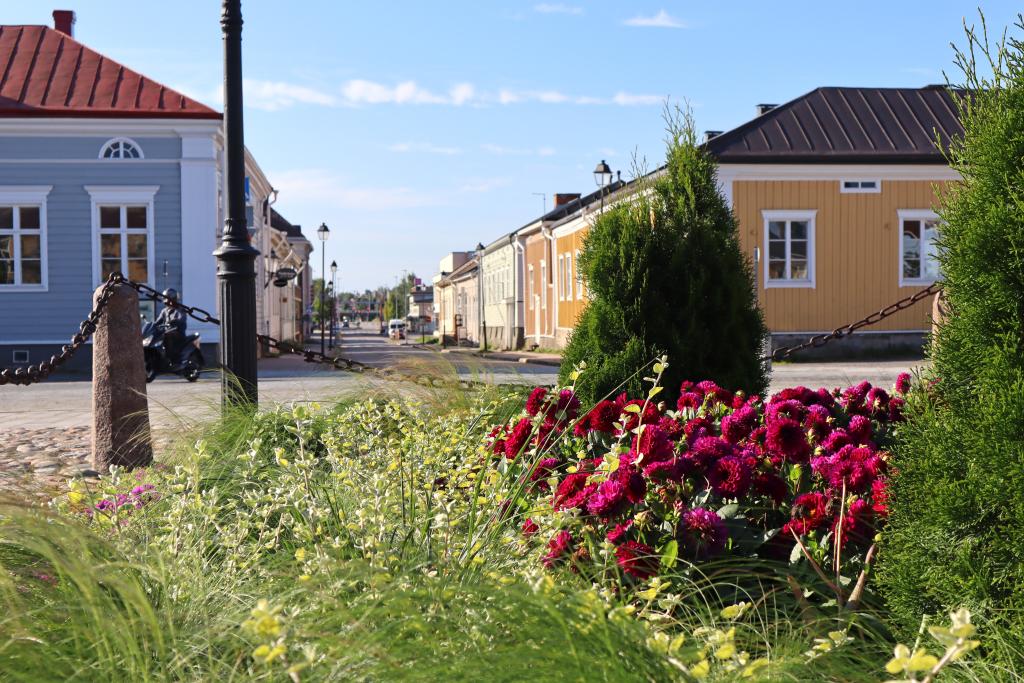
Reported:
(190, 357)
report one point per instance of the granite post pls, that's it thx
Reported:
(120, 411)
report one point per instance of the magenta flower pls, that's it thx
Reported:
(903, 383)
(559, 549)
(786, 438)
(517, 438)
(536, 401)
(704, 532)
(729, 477)
(637, 559)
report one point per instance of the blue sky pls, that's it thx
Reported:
(417, 128)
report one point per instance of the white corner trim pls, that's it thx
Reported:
(791, 215)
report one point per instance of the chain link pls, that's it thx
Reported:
(42, 370)
(846, 330)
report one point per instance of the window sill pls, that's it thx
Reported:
(789, 284)
(918, 283)
(23, 288)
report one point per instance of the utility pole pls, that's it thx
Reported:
(236, 257)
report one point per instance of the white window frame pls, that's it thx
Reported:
(912, 215)
(569, 277)
(561, 277)
(531, 286)
(791, 215)
(27, 195)
(121, 140)
(860, 189)
(123, 195)
(579, 278)
(543, 285)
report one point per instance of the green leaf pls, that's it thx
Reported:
(632, 408)
(654, 392)
(795, 554)
(729, 511)
(669, 554)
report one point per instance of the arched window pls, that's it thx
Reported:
(121, 148)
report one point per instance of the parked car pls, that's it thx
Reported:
(396, 329)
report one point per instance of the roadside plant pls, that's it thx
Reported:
(665, 275)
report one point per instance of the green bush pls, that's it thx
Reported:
(956, 533)
(666, 276)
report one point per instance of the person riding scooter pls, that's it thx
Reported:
(173, 321)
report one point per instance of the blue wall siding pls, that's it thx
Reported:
(82, 148)
(55, 314)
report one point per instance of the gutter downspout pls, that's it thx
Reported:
(513, 240)
(552, 322)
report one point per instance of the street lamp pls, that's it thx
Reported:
(334, 295)
(324, 233)
(236, 257)
(602, 177)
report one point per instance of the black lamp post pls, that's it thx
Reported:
(323, 232)
(236, 257)
(334, 296)
(602, 177)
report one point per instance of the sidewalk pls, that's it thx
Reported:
(552, 359)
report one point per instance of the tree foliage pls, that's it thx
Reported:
(956, 534)
(665, 275)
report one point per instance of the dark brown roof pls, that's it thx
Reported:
(279, 222)
(44, 72)
(847, 125)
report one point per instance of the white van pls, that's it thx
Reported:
(396, 328)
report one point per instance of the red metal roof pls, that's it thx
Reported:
(44, 72)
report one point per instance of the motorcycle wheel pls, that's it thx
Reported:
(151, 371)
(191, 371)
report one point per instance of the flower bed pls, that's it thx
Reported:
(801, 475)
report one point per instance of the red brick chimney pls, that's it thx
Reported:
(64, 21)
(565, 198)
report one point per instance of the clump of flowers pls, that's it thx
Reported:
(799, 474)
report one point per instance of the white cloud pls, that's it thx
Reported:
(426, 147)
(461, 94)
(557, 8)
(322, 186)
(660, 20)
(407, 92)
(276, 95)
(625, 99)
(501, 150)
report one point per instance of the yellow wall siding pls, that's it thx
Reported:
(856, 246)
(569, 309)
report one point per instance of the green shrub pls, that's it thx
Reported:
(956, 533)
(666, 276)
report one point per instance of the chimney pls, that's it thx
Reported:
(565, 198)
(765, 108)
(64, 21)
(710, 134)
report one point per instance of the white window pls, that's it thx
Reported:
(121, 148)
(122, 226)
(531, 287)
(561, 277)
(860, 186)
(568, 277)
(789, 236)
(23, 238)
(543, 284)
(918, 262)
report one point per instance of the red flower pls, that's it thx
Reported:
(786, 438)
(518, 437)
(544, 469)
(810, 511)
(530, 527)
(880, 494)
(902, 383)
(536, 401)
(771, 486)
(729, 477)
(559, 548)
(707, 450)
(860, 429)
(618, 533)
(497, 437)
(573, 491)
(793, 409)
(601, 418)
(650, 416)
(637, 559)
(738, 424)
(653, 444)
(704, 532)
(857, 523)
(690, 399)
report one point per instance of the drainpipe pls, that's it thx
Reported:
(517, 248)
(553, 299)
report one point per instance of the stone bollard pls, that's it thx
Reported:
(120, 411)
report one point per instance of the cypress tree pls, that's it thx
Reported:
(665, 275)
(956, 530)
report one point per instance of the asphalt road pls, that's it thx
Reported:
(172, 400)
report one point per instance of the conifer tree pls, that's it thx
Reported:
(665, 275)
(956, 531)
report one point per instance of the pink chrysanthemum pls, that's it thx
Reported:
(786, 438)
(729, 477)
(707, 450)
(517, 438)
(573, 491)
(536, 401)
(704, 532)
(637, 559)
(902, 383)
(792, 409)
(860, 429)
(559, 548)
(618, 533)
(738, 424)
(653, 444)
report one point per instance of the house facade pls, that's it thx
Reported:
(835, 193)
(457, 299)
(101, 170)
(501, 266)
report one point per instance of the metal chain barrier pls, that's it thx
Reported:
(846, 330)
(40, 371)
